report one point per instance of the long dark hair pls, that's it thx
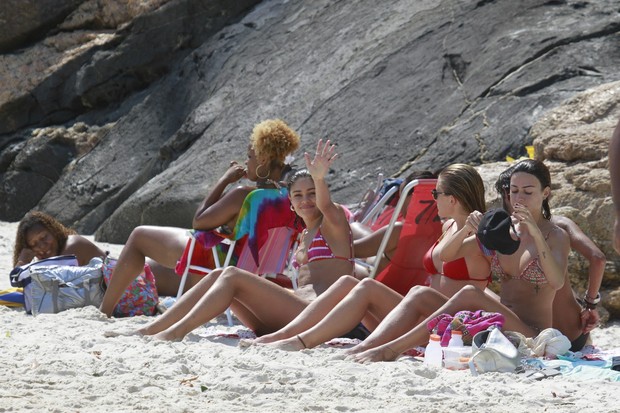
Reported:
(294, 177)
(541, 172)
(34, 219)
(502, 186)
(301, 173)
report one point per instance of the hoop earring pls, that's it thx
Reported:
(262, 177)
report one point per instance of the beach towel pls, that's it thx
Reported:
(468, 322)
(262, 210)
(12, 297)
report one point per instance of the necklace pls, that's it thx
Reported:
(267, 183)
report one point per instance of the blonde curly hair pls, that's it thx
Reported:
(273, 139)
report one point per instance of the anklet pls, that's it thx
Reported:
(301, 341)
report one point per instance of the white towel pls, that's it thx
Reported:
(549, 343)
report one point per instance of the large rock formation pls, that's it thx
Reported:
(119, 113)
(426, 83)
(91, 67)
(573, 141)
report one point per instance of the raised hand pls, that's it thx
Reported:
(234, 173)
(525, 219)
(323, 158)
(472, 222)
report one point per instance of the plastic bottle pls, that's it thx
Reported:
(456, 339)
(433, 354)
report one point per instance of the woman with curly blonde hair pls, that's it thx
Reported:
(324, 254)
(271, 141)
(40, 236)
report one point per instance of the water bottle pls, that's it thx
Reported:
(433, 354)
(456, 339)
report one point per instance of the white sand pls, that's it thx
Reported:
(63, 363)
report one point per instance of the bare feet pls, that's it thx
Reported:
(167, 336)
(381, 353)
(246, 342)
(122, 333)
(268, 338)
(359, 348)
(289, 344)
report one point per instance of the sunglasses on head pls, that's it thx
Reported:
(435, 193)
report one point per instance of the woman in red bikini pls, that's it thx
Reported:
(325, 253)
(459, 192)
(530, 276)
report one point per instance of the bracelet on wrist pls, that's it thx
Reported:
(594, 300)
(591, 304)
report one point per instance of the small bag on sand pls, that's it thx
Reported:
(55, 288)
(492, 351)
(140, 298)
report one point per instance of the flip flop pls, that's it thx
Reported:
(542, 373)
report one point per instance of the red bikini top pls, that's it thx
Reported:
(456, 270)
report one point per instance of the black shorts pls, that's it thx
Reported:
(579, 343)
(360, 332)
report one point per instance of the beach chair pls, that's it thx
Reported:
(266, 229)
(381, 212)
(370, 197)
(421, 228)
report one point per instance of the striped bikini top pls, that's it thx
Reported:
(319, 249)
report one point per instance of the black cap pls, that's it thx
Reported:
(494, 232)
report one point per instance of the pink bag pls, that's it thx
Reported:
(140, 298)
(468, 322)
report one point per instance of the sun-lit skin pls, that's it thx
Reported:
(42, 242)
(303, 199)
(525, 191)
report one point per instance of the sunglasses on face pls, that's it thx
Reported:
(435, 193)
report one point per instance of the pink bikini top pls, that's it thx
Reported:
(319, 249)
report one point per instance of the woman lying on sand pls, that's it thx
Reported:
(40, 236)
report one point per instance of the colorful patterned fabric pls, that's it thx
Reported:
(140, 298)
(262, 210)
(266, 225)
(468, 322)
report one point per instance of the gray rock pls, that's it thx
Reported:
(421, 84)
(27, 20)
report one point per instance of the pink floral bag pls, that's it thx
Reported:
(468, 322)
(140, 298)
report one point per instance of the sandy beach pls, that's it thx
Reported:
(63, 363)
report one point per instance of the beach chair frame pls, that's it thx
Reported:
(406, 190)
